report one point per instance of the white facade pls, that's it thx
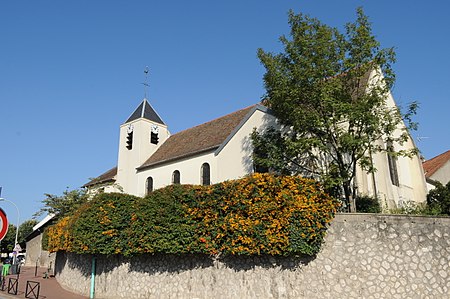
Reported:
(437, 169)
(398, 184)
(229, 156)
(231, 160)
(442, 175)
(130, 159)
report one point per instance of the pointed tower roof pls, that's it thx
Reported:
(145, 110)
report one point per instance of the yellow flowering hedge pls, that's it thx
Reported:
(259, 214)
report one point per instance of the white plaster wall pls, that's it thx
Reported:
(443, 174)
(129, 160)
(412, 184)
(235, 159)
(189, 168)
(107, 188)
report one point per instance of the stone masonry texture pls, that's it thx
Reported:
(363, 256)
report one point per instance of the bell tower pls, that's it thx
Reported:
(140, 136)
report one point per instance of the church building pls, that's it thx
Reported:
(150, 157)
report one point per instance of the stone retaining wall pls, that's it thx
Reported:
(364, 256)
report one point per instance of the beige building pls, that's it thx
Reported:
(437, 169)
(150, 157)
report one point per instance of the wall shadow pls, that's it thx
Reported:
(174, 263)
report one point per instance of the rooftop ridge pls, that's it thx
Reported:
(432, 165)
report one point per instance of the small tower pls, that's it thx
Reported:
(140, 136)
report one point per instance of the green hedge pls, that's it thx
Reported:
(259, 214)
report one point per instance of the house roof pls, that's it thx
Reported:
(48, 220)
(434, 164)
(106, 177)
(145, 110)
(204, 137)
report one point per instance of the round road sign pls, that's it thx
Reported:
(3, 224)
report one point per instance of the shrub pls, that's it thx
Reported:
(438, 199)
(98, 226)
(159, 223)
(263, 213)
(259, 214)
(367, 204)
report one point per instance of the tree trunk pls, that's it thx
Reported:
(349, 198)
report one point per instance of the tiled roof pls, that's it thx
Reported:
(208, 136)
(433, 165)
(106, 177)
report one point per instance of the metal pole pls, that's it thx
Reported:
(92, 293)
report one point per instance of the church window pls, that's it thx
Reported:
(176, 177)
(392, 162)
(205, 174)
(149, 185)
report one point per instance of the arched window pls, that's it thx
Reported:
(149, 185)
(392, 163)
(205, 174)
(176, 177)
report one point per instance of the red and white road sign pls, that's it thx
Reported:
(3, 224)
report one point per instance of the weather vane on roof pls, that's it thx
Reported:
(146, 81)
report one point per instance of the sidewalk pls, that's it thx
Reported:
(49, 288)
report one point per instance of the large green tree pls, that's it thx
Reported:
(7, 244)
(25, 229)
(64, 204)
(332, 118)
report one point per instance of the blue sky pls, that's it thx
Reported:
(71, 73)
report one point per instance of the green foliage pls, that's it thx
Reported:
(414, 208)
(7, 244)
(318, 88)
(25, 229)
(367, 204)
(44, 241)
(160, 223)
(262, 213)
(438, 199)
(259, 214)
(102, 224)
(63, 205)
(438, 203)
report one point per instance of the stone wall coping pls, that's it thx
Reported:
(370, 217)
